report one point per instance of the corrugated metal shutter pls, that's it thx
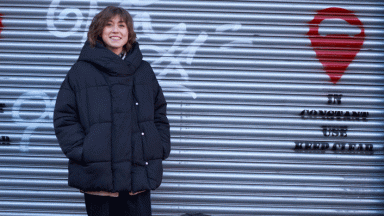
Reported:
(258, 125)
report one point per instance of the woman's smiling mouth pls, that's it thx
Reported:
(115, 38)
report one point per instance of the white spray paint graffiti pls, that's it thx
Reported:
(64, 14)
(168, 55)
(32, 124)
(232, 27)
(174, 62)
(174, 65)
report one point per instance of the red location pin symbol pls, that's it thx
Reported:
(335, 51)
(1, 24)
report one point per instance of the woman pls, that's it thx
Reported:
(110, 120)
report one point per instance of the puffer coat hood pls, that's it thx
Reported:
(111, 63)
(110, 121)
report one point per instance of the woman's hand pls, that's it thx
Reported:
(133, 194)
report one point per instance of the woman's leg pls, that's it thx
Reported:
(97, 205)
(124, 205)
(137, 205)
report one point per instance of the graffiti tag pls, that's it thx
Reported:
(32, 124)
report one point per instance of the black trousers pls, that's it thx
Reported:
(124, 205)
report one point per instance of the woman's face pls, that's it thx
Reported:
(115, 35)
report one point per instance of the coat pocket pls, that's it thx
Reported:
(152, 146)
(90, 177)
(97, 143)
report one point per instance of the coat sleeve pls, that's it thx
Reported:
(68, 130)
(161, 120)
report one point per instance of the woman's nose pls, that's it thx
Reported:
(114, 28)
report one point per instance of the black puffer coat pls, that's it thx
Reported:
(110, 121)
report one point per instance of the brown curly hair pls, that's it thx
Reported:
(101, 20)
